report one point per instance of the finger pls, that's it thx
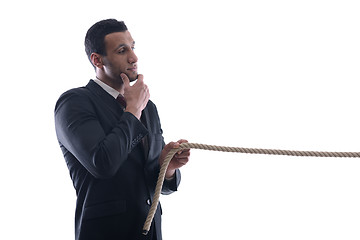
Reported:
(182, 161)
(171, 145)
(140, 81)
(146, 88)
(182, 141)
(168, 146)
(125, 79)
(175, 145)
(146, 97)
(140, 77)
(185, 150)
(183, 155)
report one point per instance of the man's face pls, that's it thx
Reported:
(120, 56)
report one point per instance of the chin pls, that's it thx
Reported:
(133, 77)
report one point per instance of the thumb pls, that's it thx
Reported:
(125, 79)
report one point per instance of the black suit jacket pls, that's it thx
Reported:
(113, 171)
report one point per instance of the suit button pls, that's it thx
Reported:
(148, 202)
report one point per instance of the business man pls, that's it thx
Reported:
(111, 139)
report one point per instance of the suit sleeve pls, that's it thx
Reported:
(79, 131)
(171, 186)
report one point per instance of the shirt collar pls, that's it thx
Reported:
(107, 88)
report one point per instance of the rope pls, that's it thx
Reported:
(172, 152)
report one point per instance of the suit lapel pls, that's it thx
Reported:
(105, 97)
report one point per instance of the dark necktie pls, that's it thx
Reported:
(121, 100)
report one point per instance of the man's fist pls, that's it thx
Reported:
(136, 96)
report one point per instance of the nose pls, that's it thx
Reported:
(132, 57)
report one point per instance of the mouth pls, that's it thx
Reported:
(132, 69)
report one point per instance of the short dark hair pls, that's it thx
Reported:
(94, 39)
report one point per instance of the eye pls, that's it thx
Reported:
(122, 50)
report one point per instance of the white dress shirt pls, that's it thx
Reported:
(107, 88)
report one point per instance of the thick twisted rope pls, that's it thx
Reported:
(172, 152)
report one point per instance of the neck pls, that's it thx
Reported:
(116, 84)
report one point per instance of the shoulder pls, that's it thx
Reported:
(151, 107)
(71, 95)
(80, 96)
(151, 104)
(84, 91)
(81, 91)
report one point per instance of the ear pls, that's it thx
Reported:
(96, 60)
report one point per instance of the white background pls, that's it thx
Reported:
(264, 74)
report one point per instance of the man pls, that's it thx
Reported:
(111, 138)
